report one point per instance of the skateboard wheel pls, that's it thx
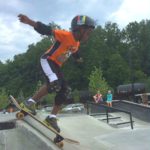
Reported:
(58, 140)
(20, 115)
(60, 144)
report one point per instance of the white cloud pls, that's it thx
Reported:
(131, 10)
(14, 37)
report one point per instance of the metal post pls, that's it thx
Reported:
(131, 121)
(132, 73)
(87, 106)
(107, 115)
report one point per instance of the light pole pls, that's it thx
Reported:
(131, 72)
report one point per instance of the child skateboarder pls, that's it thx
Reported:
(66, 44)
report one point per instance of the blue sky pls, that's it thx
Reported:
(15, 36)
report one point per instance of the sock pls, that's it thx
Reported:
(31, 100)
(52, 116)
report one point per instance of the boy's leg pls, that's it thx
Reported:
(31, 102)
(46, 88)
(56, 109)
(51, 77)
(40, 93)
(54, 77)
(51, 119)
(61, 97)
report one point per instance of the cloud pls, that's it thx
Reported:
(15, 37)
(131, 10)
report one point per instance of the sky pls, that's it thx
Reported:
(15, 37)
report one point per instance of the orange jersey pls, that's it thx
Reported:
(64, 46)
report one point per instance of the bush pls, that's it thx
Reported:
(3, 99)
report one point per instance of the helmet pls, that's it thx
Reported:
(84, 21)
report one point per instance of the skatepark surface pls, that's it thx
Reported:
(92, 134)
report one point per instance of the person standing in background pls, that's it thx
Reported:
(109, 99)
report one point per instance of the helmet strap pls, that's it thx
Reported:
(78, 34)
(81, 34)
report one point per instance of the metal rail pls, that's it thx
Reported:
(108, 110)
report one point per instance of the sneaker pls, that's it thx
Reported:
(29, 106)
(52, 122)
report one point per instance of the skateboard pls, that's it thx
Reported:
(23, 111)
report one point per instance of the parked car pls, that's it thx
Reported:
(47, 109)
(77, 107)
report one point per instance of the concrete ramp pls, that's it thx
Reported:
(24, 138)
(89, 131)
(82, 128)
(127, 140)
(85, 129)
(94, 134)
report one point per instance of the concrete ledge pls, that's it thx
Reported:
(139, 111)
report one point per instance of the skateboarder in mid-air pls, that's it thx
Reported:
(66, 44)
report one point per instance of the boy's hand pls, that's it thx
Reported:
(79, 60)
(24, 19)
(27, 20)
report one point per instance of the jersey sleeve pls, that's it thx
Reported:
(59, 35)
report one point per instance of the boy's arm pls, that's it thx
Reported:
(38, 26)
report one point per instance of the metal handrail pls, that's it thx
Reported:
(107, 109)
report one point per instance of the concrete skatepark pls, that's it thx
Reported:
(91, 132)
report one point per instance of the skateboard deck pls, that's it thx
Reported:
(24, 111)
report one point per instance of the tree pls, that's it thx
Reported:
(118, 71)
(122, 55)
(138, 37)
(3, 98)
(97, 81)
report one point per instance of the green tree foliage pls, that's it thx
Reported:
(118, 71)
(3, 98)
(97, 81)
(138, 37)
(123, 56)
(23, 73)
